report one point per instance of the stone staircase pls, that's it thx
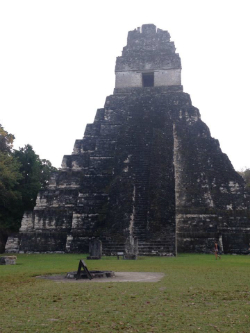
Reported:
(145, 248)
(111, 248)
(148, 248)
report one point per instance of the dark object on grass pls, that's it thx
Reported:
(94, 274)
(80, 266)
(86, 274)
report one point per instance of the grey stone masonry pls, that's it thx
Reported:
(12, 245)
(8, 260)
(147, 169)
(149, 50)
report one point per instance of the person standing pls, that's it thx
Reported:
(216, 250)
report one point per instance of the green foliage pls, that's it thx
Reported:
(246, 176)
(22, 174)
(9, 178)
(35, 174)
(197, 294)
(9, 195)
(6, 140)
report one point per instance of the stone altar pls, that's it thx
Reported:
(95, 249)
(8, 260)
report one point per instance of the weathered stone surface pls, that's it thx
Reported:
(13, 243)
(131, 248)
(95, 249)
(8, 260)
(146, 168)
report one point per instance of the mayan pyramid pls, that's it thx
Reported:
(147, 168)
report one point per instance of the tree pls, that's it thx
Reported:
(22, 175)
(6, 140)
(9, 195)
(9, 179)
(46, 170)
(35, 175)
(246, 176)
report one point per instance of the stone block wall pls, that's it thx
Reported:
(158, 56)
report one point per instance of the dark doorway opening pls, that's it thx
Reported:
(148, 79)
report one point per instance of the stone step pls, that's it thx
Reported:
(145, 243)
(153, 245)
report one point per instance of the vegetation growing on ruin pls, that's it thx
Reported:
(197, 294)
(245, 174)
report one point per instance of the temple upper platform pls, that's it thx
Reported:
(148, 60)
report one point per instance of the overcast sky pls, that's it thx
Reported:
(57, 61)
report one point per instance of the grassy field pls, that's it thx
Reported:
(197, 294)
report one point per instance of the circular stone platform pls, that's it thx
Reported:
(94, 274)
(119, 277)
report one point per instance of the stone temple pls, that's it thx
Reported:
(147, 167)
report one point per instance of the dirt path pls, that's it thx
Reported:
(119, 277)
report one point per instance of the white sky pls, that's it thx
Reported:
(57, 61)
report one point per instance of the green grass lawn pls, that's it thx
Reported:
(197, 294)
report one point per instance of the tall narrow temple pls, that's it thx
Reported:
(147, 167)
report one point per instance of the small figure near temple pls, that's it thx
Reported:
(216, 250)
